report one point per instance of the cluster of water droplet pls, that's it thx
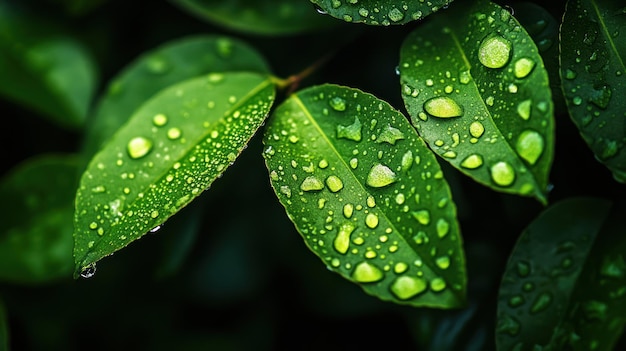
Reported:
(479, 106)
(365, 195)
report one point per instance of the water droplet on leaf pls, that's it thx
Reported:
(443, 107)
(366, 272)
(494, 52)
(342, 240)
(502, 174)
(351, 132)
(406, 287)
(139, 147)
(311, 183)
(530, 146)
(380, 176)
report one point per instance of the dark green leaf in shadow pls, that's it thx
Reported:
(170, 63)
(380, 12)
(79, 7)
(36, 229)
(593, 77)
(170, 151)
(44, 68)
(479, 95)
(276, 17)
(367, 195)
(4, 328)
(540, 287)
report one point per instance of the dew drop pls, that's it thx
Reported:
(311, 183)
(523, 109)
(502, 174)
(437, 284)
(88, 271)
(476, 129)
(351, 132)
(390, 135)
(443, 262)
(337, 104)
(395, 15)
(366, 272)
(174, 133)
(139, 147)
(348, 210)
(334, 183)
(509, 325)
(157, 65)
(407, 161)
(159, 120)
(371, 220)
(443, 107)
(494, 52)
(400, 267)
(380, 176)
(342, 240)
(523, 67)
(406, 287)
(530, 146)
(570, 74)
(443, 227)
(472, 161)
(541, 303)
(422, 216)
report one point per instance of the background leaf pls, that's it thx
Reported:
(277, 17)
(538, 292)
(36, 233)
(367, 195)
(380, 12)
(593, 56)
(480, 97)
(171, 150)
(44, 68)
(170, 63)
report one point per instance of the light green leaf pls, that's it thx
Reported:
(4, 328)
(159, 68)
(367, 196)
(380, 12)
(170, 150)
(44, 68)
(479, 95)
(276, 17)
(541, 289)
(37, 200)
(593, 67)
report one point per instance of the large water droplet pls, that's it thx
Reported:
(443, 262)
(342, 240)
(502, 174)
(530, 146)
(494, 52)
(380, 176)
(311, 183)
(88, 271)
(371, 220)
(443, 107)
(407, 160)
(390, 135)
(139, 147)
(524, 108)
(348, 210)
(366, 272)
(523, 67)
(159, 120)
(351, 132)
(437, 284)
(472, 161)
(406, 287)
(334, 183)
(443, 227)
(422, 216)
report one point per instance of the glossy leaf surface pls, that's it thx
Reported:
(36, 232)
(171, 150)
(380, 12)
(44, 69)
(274, 17)
(550, 272)
(593, 67)
(366, 195)
(480, 97)
(159, 68)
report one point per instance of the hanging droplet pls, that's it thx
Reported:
(380, 176)
(443, 107)
(406, 287)
(88, 271)
(494, 52)
(530, 146)
(139, 147)
(502, 174)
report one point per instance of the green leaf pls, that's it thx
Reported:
(479, 95)
(170, 150)
(277, 17)
(44, 68)
(367, 195)
(157, 69)
(542, 286)
(4, 328)
(593, 56)
(36, 229)
(380, 12)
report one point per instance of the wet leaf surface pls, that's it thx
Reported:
(380, 12)
(593, 56)
(480, 97)
(366, 195)
(170, 151)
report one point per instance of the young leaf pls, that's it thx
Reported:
(593, 63)
(277, 17)
(157, 69)
(36, 230)
(367, 196)
(380, 12)
(170, 150)
(539, 289)
(4, 328)
(479, 95)
(44, 68)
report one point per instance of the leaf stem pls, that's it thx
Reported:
(292, 82)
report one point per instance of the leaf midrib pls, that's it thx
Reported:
(607, 35)
(314, 123)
